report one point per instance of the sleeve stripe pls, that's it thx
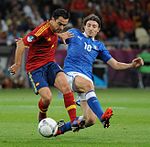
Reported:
(42, 29)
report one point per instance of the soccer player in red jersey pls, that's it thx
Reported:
(41, 67)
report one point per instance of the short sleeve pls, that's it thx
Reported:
(104, 53)
(29, 39)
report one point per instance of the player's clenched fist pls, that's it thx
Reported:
(13, 69)
(137, 62)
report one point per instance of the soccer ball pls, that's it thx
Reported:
(47, 126)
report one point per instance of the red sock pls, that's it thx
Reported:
(43, 106)
(70, 105)
(43, 109)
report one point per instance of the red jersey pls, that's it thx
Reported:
(42, 44)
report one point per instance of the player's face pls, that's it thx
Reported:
(91, 28)
(59, 24)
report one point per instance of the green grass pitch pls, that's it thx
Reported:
(130, 124)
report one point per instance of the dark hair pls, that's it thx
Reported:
(94, 18)
(61, 12)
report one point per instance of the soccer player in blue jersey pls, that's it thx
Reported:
(81, 53)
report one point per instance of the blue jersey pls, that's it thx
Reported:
(82, 52)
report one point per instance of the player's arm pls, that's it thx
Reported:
(64, 36)
(20, 47)
(137, 62)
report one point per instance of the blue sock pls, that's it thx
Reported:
(66, 127)
(94, 104)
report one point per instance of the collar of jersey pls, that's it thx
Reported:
(87, 36)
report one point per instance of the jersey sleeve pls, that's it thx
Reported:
(104, 53)
(29, 39)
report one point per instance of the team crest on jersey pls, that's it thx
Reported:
(30, 38)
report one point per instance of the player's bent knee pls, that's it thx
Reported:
(45, 93)
(66, 89)
(47, 99)
(88, 86)
(90, 122)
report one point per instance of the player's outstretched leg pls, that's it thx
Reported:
(62, 127)
(106, 117)
(76, 125)
(95, 106)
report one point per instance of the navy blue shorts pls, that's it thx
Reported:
(44, 76)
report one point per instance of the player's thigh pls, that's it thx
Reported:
(87, 112)
(61, 82)
(45, 93)
(82, 84)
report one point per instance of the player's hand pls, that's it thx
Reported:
(13, 69)
(65, 36)
(137, 62)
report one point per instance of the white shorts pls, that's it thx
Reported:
(71, 76)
